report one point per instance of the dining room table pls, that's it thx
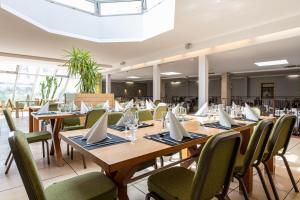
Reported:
(121, 161)
(56, 119)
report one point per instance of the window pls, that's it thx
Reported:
(24, 86)
(7, 86)
(121, 7)
(88, 6)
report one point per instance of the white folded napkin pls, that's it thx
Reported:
(149, 106)
(203, 110)
(118, 107)
(225, 120)
(44, 109)
(250, 114)
(129, 104)
(177, 132)
(83, 108)
(234, 106)
(98, 132)
(175, 110)
(106, 105)
(74, 107)
(127, 114)
(152, 104)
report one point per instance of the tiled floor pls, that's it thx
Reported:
(11, 187)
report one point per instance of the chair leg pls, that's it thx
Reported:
(8, 157)
(271, 181)
(153, 196)
(262, 180)
(161, 161)
(48, 154)
(290, 173)
(68, 149)
(9, 164)
(242, 184)
(72, 153)
(83, 161)
(43, 146)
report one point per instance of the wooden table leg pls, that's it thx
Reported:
(248, 178)
(194, 152)
(30, 120)
(271, 165)
(121, 178)
(35, 125)
(17, 111)
(56, 142)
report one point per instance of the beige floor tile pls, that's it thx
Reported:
(135, 194)
(18, 193)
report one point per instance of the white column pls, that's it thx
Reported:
(156, 83)
(226, 89)
(108, 83)
(202, 80)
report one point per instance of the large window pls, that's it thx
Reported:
(121, 8)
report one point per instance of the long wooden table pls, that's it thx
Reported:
(56, 122)
(121, 161)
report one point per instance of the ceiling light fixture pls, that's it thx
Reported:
(170, 73)
(271, 63)
(175, 82)
(133, 77)
(293, 76)
(129, 83)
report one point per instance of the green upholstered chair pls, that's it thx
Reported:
(144, 115)
(114, 117)
(53, 107)
(256, 110)
(156, 102)
(277, 146)
(93, 116)
(73, 123)
(89, 186)
(159, 112)
(212, 177)
(42, 136)
(133, 109)
(253, 155)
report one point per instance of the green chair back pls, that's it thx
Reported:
(257, 145)
(280, 136)
(74, 121)
(215, 166)
(53, 107)
(114, 117)
(133, 109)
(156, 102)
(145, 115)
(93, 116)
(256, 110)
(26, 166)
(159, 112)
(9, 120)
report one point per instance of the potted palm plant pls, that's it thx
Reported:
(80, 63)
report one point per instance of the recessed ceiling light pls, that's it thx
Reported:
(271, 63)
(133, 77)
(170, 73)
(175, 82)
(129, 83)
(293, 76)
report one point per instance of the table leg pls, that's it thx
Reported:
(121, 178)
(17, 112)
(194, 152)
(248, 178)
(30, 120)
(35, 125)
(56, 142)
(271, 165)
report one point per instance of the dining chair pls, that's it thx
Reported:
(114, 117)
(253, 156)
(257, 111)
(156, 102)
(88, 186)
(277, 146)
(144, 115)
(159, 112)
(73, 123)
(211, 179)
(32, 137)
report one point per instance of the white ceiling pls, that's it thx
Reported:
(204, 23)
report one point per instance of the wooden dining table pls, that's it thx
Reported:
(121, 161)
(56, 119)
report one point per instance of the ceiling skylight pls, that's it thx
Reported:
(121, 8)
(88, 6)
(170, 73)
(271, 63)
(133, 77)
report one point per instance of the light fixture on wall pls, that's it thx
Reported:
(175, 82)
(140, 92)
(272, 63)
(170, 73)
(293, 76)
(129, 82)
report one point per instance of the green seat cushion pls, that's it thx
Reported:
(70, 128)
(239, 163)
(172, 184)
(38, 136)
(90, 186)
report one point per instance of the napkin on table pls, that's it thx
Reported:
(177, 132)
(129, 104)
(152, 104)
(203, 110)
(126, 115)
(106, 105)
(44, 109)
(83, 108)
(250, 114)
(118, 107)
(225, 120)
(98, 132)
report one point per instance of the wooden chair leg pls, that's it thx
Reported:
(8, 158)
(48, 152)
(43, 146)
(83, 161)
(9, 164)
(271, 181)
(290, 173)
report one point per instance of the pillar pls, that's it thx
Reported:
(108, 83)
(226, 89)
(202, 80)
(156, 82)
